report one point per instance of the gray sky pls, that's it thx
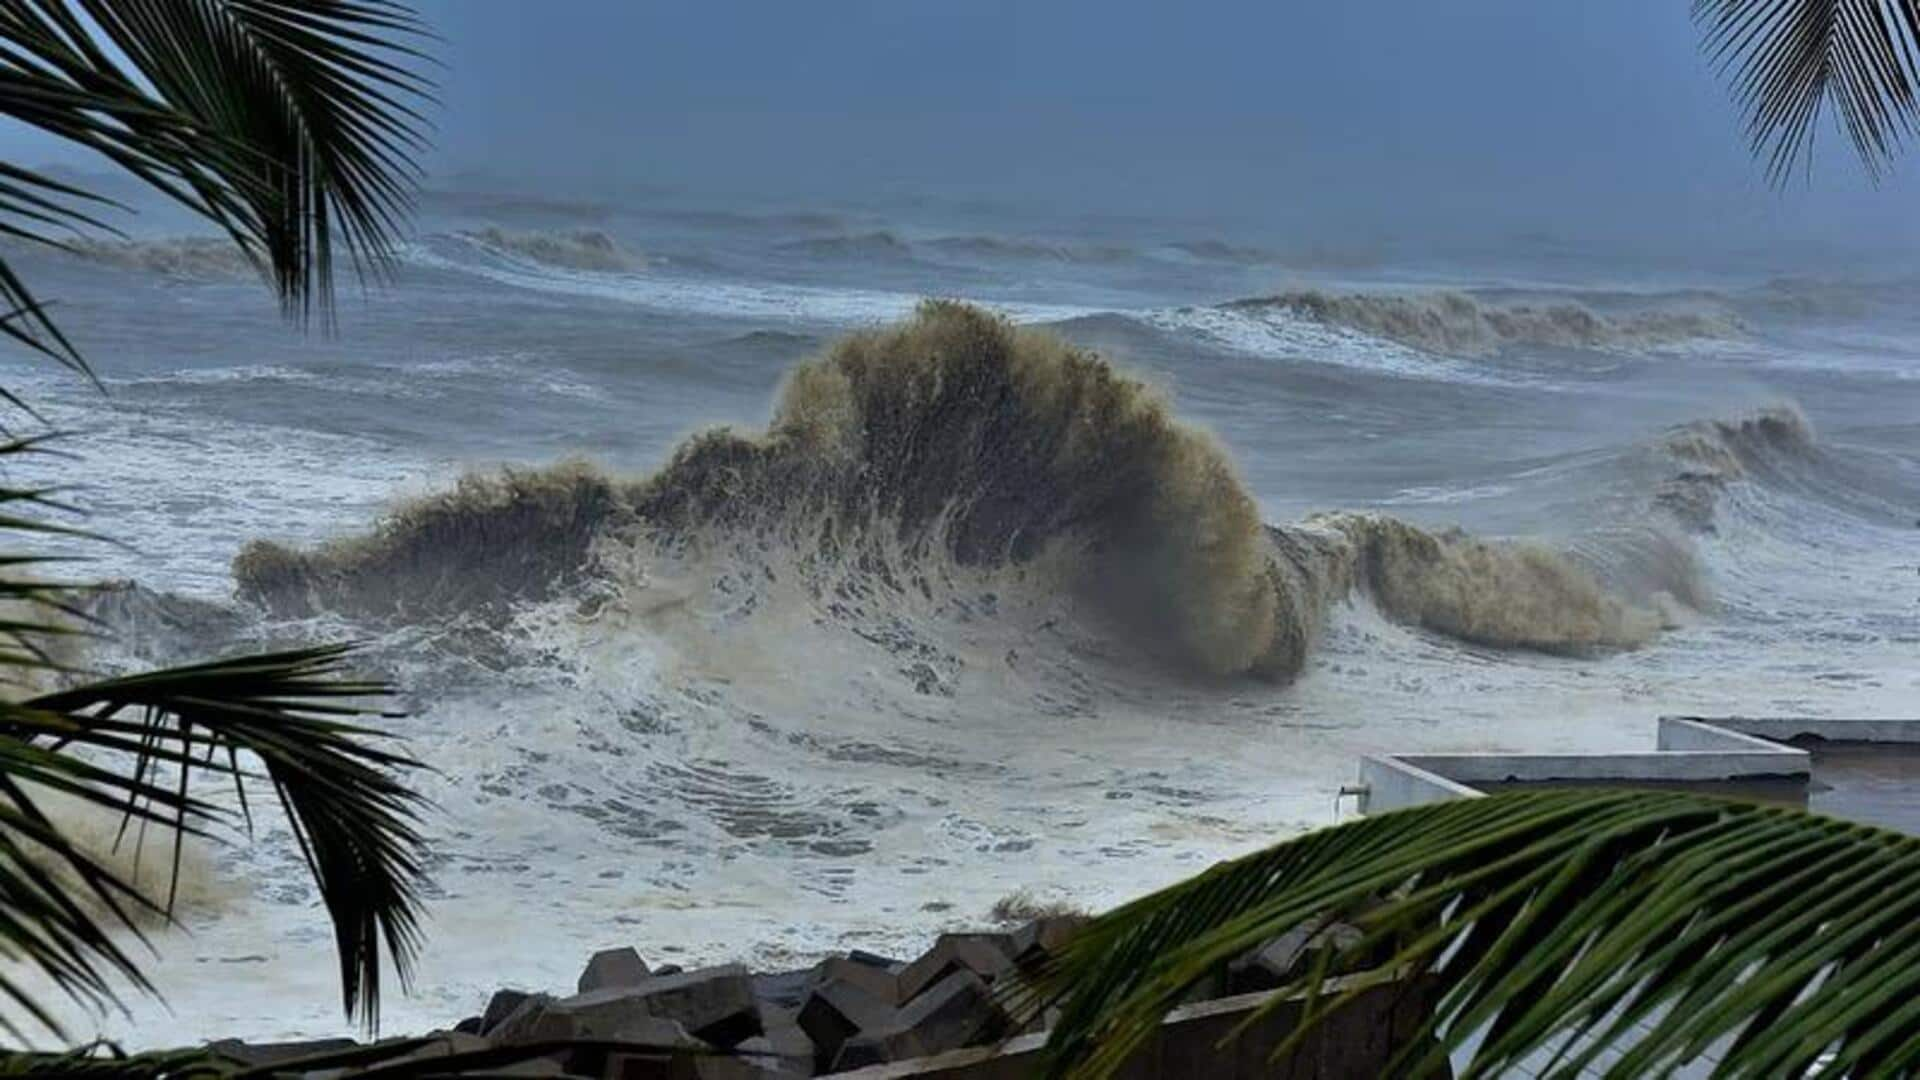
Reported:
(1578, 117)
(1586, 119)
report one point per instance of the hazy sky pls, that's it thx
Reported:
(1582, 118)
(1578, 117)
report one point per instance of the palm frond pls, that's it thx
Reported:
(290, 123)
(1788, 60)
(110, 1062)
(37, 614)
(1563, 925)
(133, 746)
(291, 713)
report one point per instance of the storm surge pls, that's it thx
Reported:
(1458, 323)
(957, 442)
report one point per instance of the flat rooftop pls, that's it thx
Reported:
(1865, 770)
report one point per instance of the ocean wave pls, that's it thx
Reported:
(1277, 333)
(1732, 449)
(1455, 323)
(566, 249)
(498, 205)
(1221, 251)
(1001, 247)
(192, 258)
(1783, 297)
(879, 244)
(687, 295)
(1810, 298)
(1774, 450)
(956, 443)
(1500, 593)
(1714, 454)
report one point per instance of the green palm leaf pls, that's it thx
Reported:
(1788, 60)
(1571, 925)
(285, 720)
(290, 123)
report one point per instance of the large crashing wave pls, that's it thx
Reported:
(1457, 323)
(957, 439)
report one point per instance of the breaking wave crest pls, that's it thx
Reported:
(957, 441)
(1735, 448)
(1713, 454)
(1507, 594)
(1457, 323)
(567, 249)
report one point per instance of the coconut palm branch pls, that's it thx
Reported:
(1561, 927)
(284, 725)
(289, 123)
(1790, 60)
(285, 722)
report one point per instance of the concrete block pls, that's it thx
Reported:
(1033, 943)
(784, 990)
(531, 1067)
(783, 1050)
(715, 1004)
(502, 1005)
(728, 1067)
(876, 982)
(836, 1012)
(444, 1044)
(610, 1017)
(625, 1066)
(620, 1013)
(1190, 1045)
(256, 1055)
(986, 955)
(1285, 958)
(611, 968)
(955, 1012)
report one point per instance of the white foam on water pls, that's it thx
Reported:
(729, 299)
(712, 767)
(1282, 335)
(179, 491)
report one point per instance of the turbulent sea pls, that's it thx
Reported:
(1105, 574)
